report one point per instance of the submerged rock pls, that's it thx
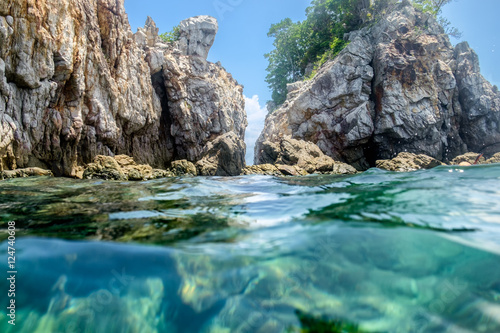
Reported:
(398, 86)
(121, 167)
(406, 162)
(135, 308)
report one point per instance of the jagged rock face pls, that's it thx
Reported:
(480, 103)
(147, 36)
(73, 85)
(200, 100)
(304, 156)
(197, 35)
(76, 83)
(223, 156)
(204, 102)
(398, 86)
(414, 88)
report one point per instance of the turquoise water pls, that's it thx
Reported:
(407, 252)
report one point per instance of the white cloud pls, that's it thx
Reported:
(256, 116)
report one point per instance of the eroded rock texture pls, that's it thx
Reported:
(201, 102)
(304, 157)
(399, 86)
(76, 83)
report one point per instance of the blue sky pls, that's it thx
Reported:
(242, 39)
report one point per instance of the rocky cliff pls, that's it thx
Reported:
(76, 83)
(399, 86)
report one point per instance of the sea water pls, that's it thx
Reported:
(383, 251)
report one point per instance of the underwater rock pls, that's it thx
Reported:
(399, 86)
(135, 309)
(406, 162)
(121, 167)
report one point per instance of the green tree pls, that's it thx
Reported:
(301, 45)
(435, 7)
(171, 36)
(285, 59)
(320, 37)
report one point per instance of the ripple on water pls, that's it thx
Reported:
(412, 252)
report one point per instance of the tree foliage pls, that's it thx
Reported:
(435, 7)
(171, 36)
(301, 47)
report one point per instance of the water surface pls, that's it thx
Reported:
(391, 252)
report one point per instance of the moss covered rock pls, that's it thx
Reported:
(406, 162)
(121, 167)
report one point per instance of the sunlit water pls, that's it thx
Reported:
(407, 252)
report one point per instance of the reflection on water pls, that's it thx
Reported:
(414, 252)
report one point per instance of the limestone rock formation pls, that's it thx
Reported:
(76, 83)
(225, 156)
(261, 169)
(147, 36)
(27, 172)
(480, 103)
(474, 158)
(121, 167)
(406, 162)
(398, 86)
(304, 158)
(494, 159)
(73, 85)
(468, 159)
(183, 168)
(200, 100)
(197, 35)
